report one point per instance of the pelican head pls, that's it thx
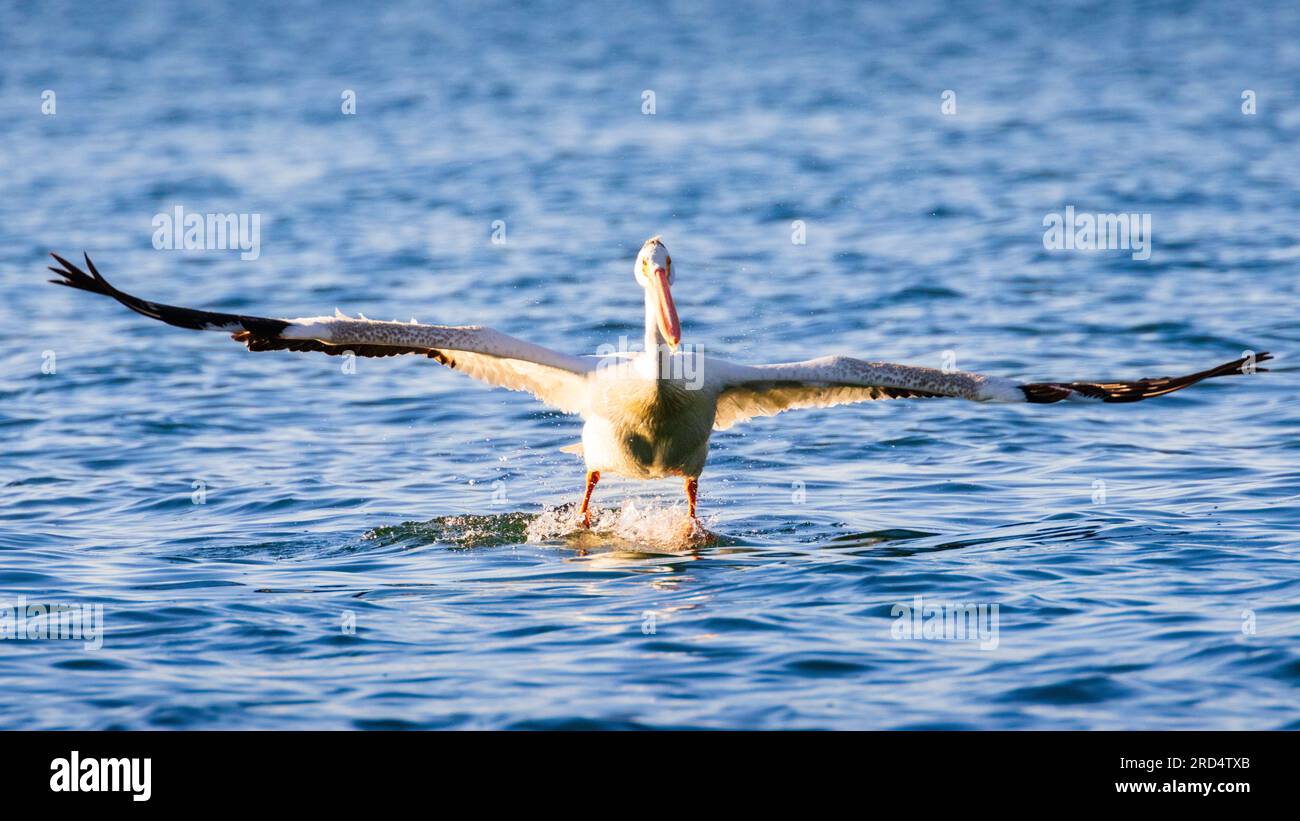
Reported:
(654, 272)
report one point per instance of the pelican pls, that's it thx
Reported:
(647, 414)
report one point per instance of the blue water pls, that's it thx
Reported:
(1143, 558)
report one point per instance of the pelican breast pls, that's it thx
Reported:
(644, 427)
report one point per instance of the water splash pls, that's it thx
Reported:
(650, 528)
(645, 529)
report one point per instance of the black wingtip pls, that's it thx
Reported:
(1246, 365)
(63, 262)
(93, 270)
(67, 266)
(75, 277)
(1137, 390)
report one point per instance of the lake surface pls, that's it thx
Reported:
(277, 542)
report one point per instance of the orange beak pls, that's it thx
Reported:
(669, 326)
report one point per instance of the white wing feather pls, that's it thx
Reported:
(765, 390)
(485, 354)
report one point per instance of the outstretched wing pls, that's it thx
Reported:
(765, 390)
(557, 379)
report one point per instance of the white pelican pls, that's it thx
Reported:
(649, 414)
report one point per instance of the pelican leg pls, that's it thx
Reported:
(593, 476)
(692, 488)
